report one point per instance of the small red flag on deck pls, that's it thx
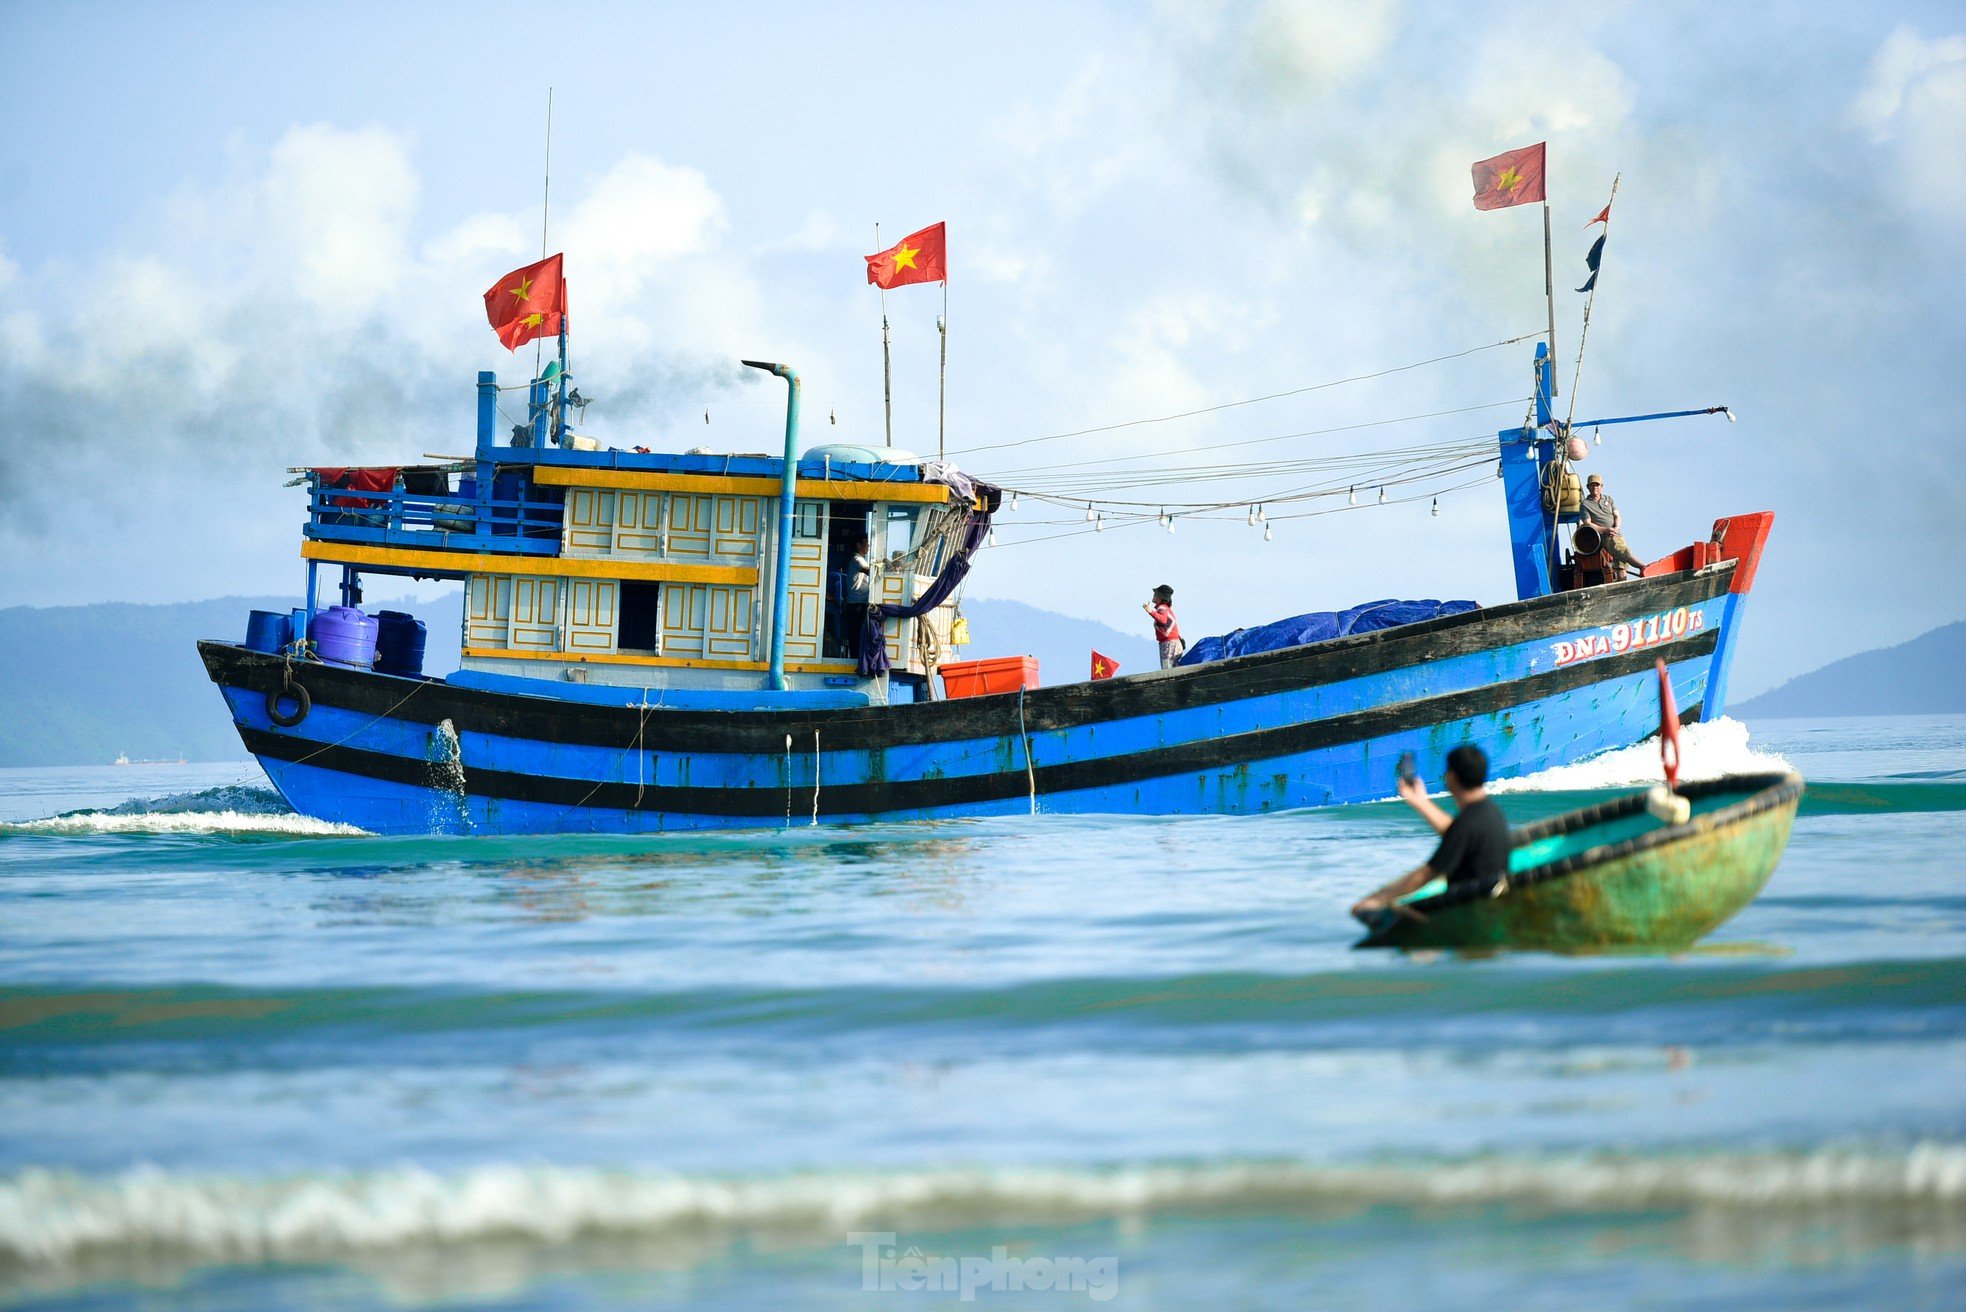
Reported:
(1514, 177)
(918, 257)
(528, 303)
(1103, 666)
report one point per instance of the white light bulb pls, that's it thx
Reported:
(1729, 413)
(1252, 517)
(1382, 496)
(1170, 523)
(1266, 532)
(1260, 518)
(1013, 501)
(1088, 510)
(1597, 436)
(1099, 524)
(1436, 507)
(993, 537)
(1351, 496)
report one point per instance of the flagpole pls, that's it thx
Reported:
(887, 362)
(942, 384)
(1549, 291)
(1590, 301)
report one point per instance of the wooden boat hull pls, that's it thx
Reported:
(1619, 880)
(1537, 683)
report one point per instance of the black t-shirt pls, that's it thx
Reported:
(1475, 846)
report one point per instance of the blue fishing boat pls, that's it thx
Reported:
(660, 641)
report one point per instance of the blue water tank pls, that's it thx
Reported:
(343, 635)
(399, 643)
(267, 631)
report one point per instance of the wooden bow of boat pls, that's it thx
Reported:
(1613, 877)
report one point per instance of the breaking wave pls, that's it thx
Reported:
(50, 1218)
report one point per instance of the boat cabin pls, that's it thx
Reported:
(640, 569)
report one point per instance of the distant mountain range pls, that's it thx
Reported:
(1920, 677)
(81, 685)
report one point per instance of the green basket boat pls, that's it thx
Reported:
(1612, 877)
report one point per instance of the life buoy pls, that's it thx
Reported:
(288, 690)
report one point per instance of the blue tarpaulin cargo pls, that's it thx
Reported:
(1321, 626)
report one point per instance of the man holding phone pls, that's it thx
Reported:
(1474, 842)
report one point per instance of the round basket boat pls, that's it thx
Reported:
(1613, 877)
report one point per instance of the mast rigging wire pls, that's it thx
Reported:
(1253, 400)
(1016, 470)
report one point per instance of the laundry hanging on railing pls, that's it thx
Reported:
(873, 635)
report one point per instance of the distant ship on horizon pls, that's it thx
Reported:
(122, 758)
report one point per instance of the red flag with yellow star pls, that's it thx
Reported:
(918, 257)
(1514, 177)
(528, 303)
(1103, 666)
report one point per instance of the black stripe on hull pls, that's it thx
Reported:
(892, 795)
(1066, 706)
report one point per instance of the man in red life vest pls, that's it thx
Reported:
(1167, 632)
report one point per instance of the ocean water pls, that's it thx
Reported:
(249, 1060)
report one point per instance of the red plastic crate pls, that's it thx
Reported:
(980, 678)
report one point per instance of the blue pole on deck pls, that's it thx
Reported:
(787, 490)
(487, 410)
(560, 425)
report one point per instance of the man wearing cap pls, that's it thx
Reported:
(1601, 513)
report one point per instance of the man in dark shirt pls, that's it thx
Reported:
(1474, 844)
(1601, 513)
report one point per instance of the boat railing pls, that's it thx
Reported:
(528, 524)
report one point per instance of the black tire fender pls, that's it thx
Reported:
(290, 690)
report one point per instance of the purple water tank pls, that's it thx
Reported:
(344, 636)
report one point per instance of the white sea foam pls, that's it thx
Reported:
(50, 1218)
(179, 822)
(1709, 751)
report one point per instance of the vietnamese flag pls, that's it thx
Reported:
(528, 303)
(1103, 666)
(918, 257)
(1514, 177)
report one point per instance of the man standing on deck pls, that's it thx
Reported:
(1474, 844)
(1601, 513)
(1167, 630)
(859, 588)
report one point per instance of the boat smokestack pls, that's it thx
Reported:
(787, 491)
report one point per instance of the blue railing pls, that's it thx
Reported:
(528, 524)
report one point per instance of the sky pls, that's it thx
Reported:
(237, 238)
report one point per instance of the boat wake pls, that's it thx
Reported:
(1711, 750)
(229, 809)
(53, 1218)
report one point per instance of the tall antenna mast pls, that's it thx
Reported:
(546, 194)
(887, 361)
(545, 208)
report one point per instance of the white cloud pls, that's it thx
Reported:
(1298, 48)
(338, 205)
(289, 314)
(1901, 67)
(1914, 107)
